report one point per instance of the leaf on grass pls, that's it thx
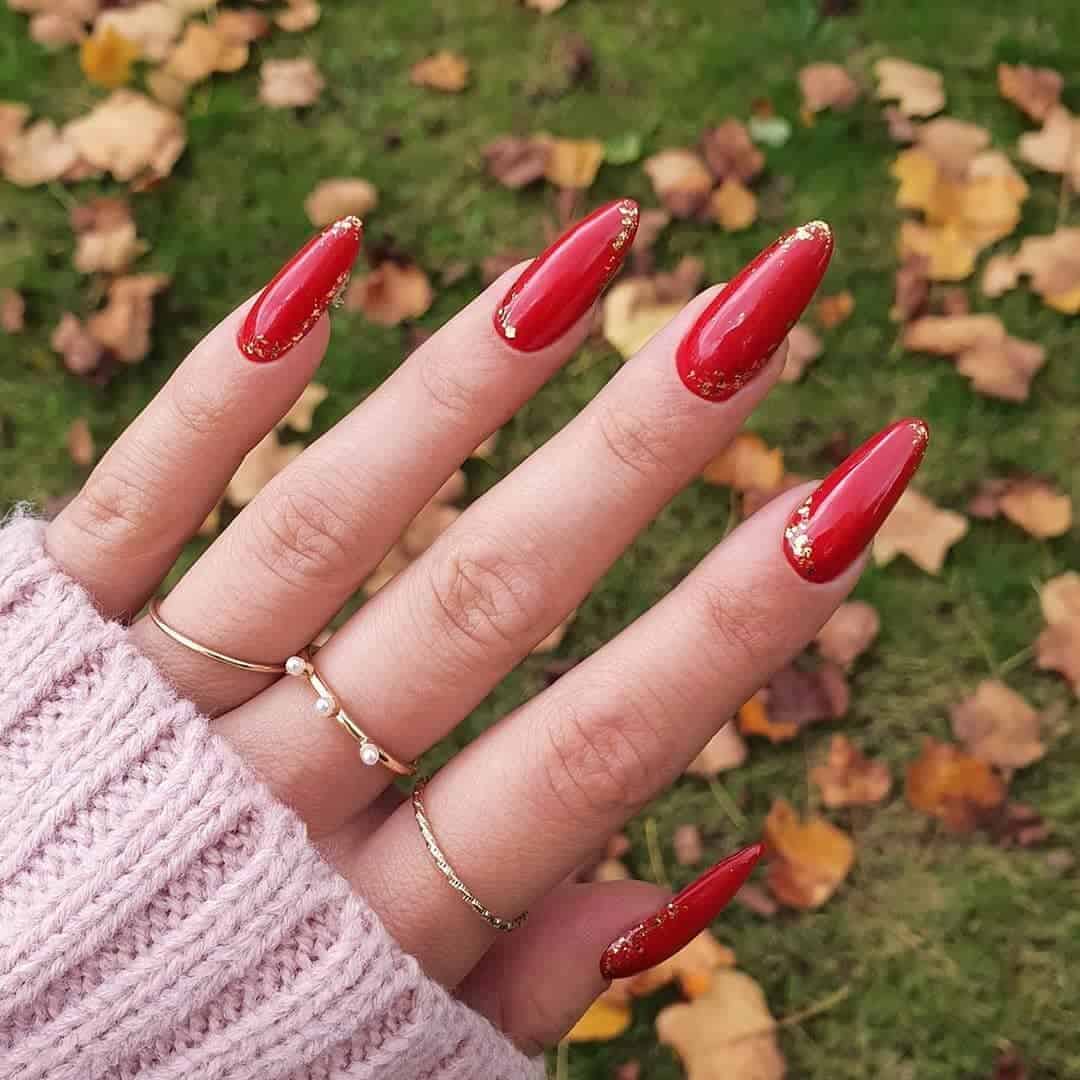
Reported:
(1003, 369)
(202, 51)
(334, 199)
(392, 293)
(13, 117)
(1018, 825)
(849, 633)
(290, 84)
(80, 442)
(998, 726)
(12, 312)
(794, 699)
(38, 154)
(242, 25)
(1053, 263)
(950, 335)
(918, 91)
(694, 967)
(300, 15)
(515, 162)
(747, 463)
(833, 310)
(81, 352)
(123, 325)
(1034, 90)
(726, 1034)
(106, 237)
(848, 778)
(733, 206)
(901, 128)
(808, 861)
(54, 29)
(730, 153)
(1060, 598)
(651, 223)
(1057, 648)
(681, 181)
(603, 1021)
(952, 144)
(633, 311)
(129, 135)
(446, 71)
(108, 57)
(260, 466)
(1055, 148)
(919, 529)
(912, 288)
(725, 750)
(152, 27)
(573, 163)
(687, 845)
(827, 86)
(302, 414)
(545, 7)
(804, 347)
(954, 787)
(1036, 506)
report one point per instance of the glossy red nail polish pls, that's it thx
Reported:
(666, 931)
(744, 325)
(827, 532)
(560, 285)
(290, 306)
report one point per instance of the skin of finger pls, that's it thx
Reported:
(569, 767)
(154, 487)
(447, 628)
(535, 983)
(286, 564)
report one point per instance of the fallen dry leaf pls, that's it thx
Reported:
(920, 530)
(108, 57)
(260, 466)
(516, 162)
(123, 325)
(633, 312)
(808, 861)
(1037, 507)
(151, 26)
(733, 206)
(390, 294)
(793, 699)
(81, 352)
(1018, 825)
(952, 786)
(730, 153)
(302, 414)
(949, 335)
(827, 86)
(694, 967)
(1034, 90)
(687, 845)
(242, 25)
(603, 1021)
(1053, 264)
(55, 30)
(1057, 648)
(106, 237)
(545, 7)
(954, 302)
(848, 778)
(833, 310)
(849, 633)
(129, 135)
(1060, 598)
(202, 51)
(290, 84)
(949, 252)
(446, 71)
(12, 312)
(1003, 369)
(300, 15)
(1055, 148)
(912, 289)
(918, 91)
(573, 163)
(952, 144)
(901, 128)
(681, 181)
(747, 463)
(998, 726)
(341, 197)
(38, 154)
(1009, 1065)
(725, 750)
(13, 117)
(80, 442)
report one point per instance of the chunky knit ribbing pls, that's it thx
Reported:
(161, 916)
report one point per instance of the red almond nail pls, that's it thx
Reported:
(290, 306)
(665, 932)
(560, 285)
(744, 325)
(836, 522)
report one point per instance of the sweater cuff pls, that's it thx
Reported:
(161, 915)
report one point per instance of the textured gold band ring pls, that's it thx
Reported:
(204, 650)
(459, 886)
(327, 704)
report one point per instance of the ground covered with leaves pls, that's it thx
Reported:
(915, 773)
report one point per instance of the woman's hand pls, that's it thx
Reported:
(524, 804)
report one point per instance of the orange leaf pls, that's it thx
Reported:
(849, 778)
(80, 442)
(725, 750)
(948, 784)
(390, 294)
(747, 464)
(693, 967)
(826, 86)
(998, 726)
(1039, 509)
(338, 198)
(808, 861)
(1035, 90)
(733, 206)
(835, 309)
(849, 633)
(445, 71)
(603, 1021)
(680, 179)
(920, 530)
(107, 58)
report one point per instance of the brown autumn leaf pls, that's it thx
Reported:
(1060, 598)
(392, 293)
(446, 71)
(950, 335)
(952, 144)
(56, 30)
(129, 135)
(106, 239)
(1003, 369)
(1057, 648)
(918, 91)
(260, 466)
(954, 302)
(108, 57)
(733, 206)
(1034, 90)
(912, 289)
(1053, 263)
(203, 51)
(998, 726)
(954, 787)
(804, 347)
(849, 633)
(605, 1019)
(81, 352)
(919, 529)
(13, 117)
(730, 153)
(687, 845)
(681, 181)
(1055, 148)
(827, 86)
(848, 778)
(300, 15)
(80, 442)
(808, 861)
(38, 154)
(633, 310)
(151, 26)
(517, 162)
(302, 414)
(341, 197)
(123, 325)
(833, 310)
(290, 84)
(12, 312)
(242, 25)
(1018, 825)
(747, 462)
(725, 750)
(726, 1034)
(1036, 506)
(793, 699)
(573, 163)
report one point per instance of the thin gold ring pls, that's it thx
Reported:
(327, 704)
(205, 650)
(459, 886)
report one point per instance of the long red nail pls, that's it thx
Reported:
(666, 931)
(560, 285)
(290, 306)
(736, 334)
(827, 532)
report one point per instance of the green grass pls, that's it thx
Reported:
(947, 947)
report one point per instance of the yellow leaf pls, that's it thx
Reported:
(949, 251)
(603, 1021)
(573, 163)
(733, 206)
(633, 314)
(107, 58)
(917, 172)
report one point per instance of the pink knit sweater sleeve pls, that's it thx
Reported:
(161, 916)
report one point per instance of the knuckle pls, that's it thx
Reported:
(112, 508)
(202, 412)
(448, 391)
(636, 446)
(739, 623)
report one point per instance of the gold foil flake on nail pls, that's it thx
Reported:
(502, 316)
(341, 286)
(920, 434)
(798, 540)
(346, 224)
